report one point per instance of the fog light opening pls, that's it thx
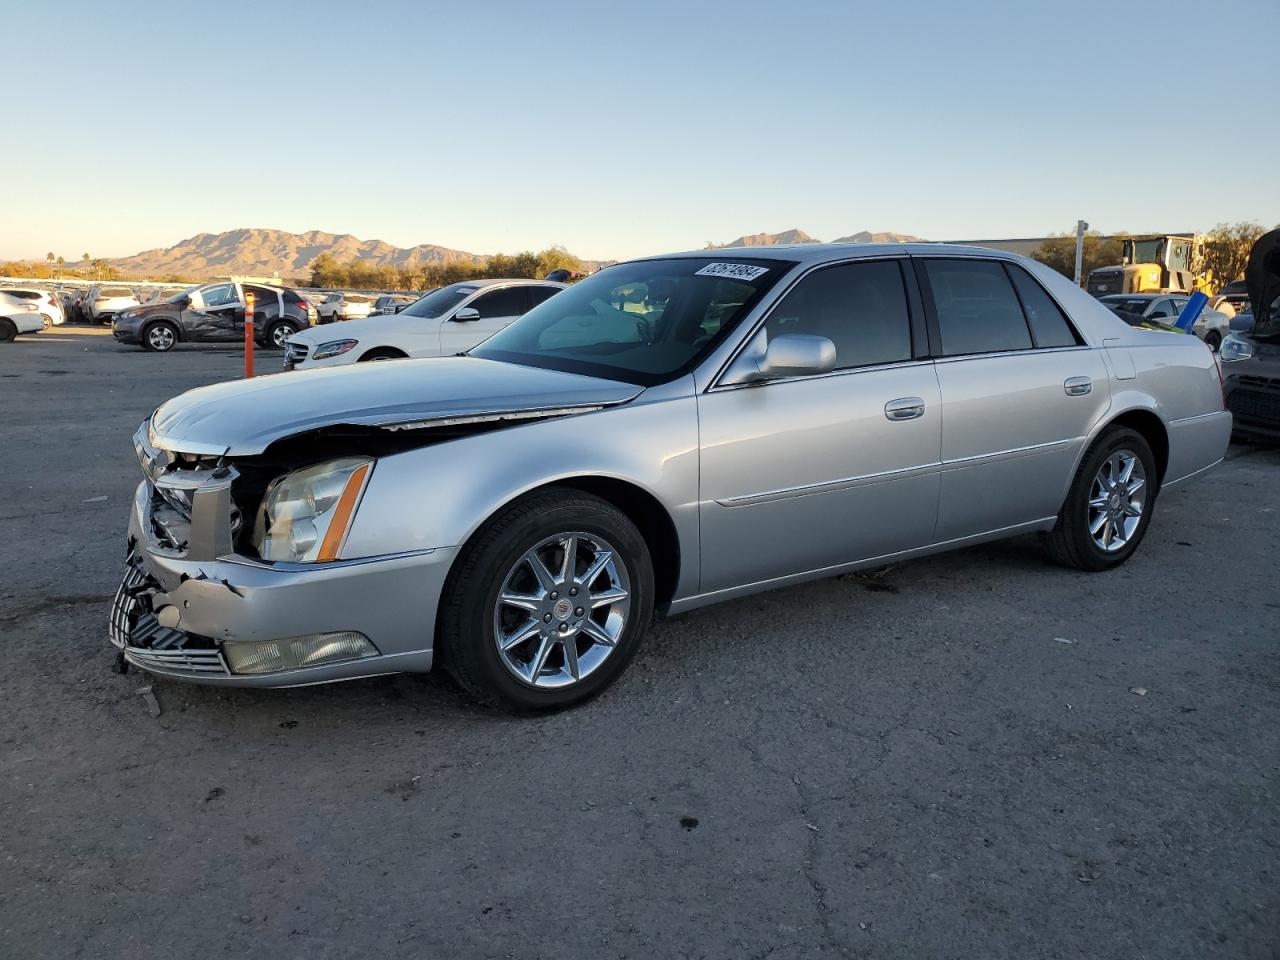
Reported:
(291, 653)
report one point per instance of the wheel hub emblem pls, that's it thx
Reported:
(562, 609)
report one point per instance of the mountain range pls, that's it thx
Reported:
(260, 252)
(799, 236)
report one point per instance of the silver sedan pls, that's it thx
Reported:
(665, 434)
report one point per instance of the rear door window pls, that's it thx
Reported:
(977, 308)
(507, 302)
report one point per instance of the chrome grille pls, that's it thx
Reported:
(147, 643)
(295, 352)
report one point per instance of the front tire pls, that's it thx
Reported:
(547, 603)
(159, 337)
(1109, 505)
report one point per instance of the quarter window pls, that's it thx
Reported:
(860, 307)
(1049, 327)
(978, 311)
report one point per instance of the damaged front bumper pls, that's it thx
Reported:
(190, 608)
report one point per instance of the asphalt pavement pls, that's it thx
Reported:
(979, 755)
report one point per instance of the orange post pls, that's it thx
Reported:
(248, 333)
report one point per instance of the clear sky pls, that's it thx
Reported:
(623, 128)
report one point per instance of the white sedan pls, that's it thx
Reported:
(444, 322)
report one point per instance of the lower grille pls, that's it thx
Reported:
(146, 642)
(194, 661)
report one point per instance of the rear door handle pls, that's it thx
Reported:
(1077, 386)
(904, 408)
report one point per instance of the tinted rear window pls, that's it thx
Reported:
(1049, 326)
(978, 311)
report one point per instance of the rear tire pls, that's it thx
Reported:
(8, 330)
(618, 598)
(1095, 513)
(382, 353)
(159, 337)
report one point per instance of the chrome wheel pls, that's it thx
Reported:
(562, 610)
(160, 337)
(279, 334)
(1116, 501)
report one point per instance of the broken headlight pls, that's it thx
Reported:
(305, 514)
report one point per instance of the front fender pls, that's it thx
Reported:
(439, 496)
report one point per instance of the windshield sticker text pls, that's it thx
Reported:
(738, 271)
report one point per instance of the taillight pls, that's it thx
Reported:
(303, 305)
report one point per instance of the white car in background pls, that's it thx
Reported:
(104, 302)
(1211, 326)
(444, 322)
(45, 300)
(343, 306)
(18, 316)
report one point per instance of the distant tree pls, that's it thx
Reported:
(61, 263)
(1059, 252)
(50, 257)
(84, 258)
(558, 258)
(1225, 252)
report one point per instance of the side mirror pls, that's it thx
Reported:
(466, 314)
(788, 355)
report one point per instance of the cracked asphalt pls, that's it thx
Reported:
(945, 759)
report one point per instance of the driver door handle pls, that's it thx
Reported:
(904, 408)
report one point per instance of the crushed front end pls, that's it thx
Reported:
(199, 602)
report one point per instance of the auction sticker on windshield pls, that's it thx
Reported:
(738, 271)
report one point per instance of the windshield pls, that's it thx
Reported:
(440, 302)
(115, 292)
(643, 322)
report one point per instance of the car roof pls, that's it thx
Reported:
(1140, 296)
(810, 253)
(491, 282)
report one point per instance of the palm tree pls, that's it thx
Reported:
(61, 263)
(84, 258)
(50, 256)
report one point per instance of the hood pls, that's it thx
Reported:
(352, 329)
(243, 417)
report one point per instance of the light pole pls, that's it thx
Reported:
(1081, 227)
